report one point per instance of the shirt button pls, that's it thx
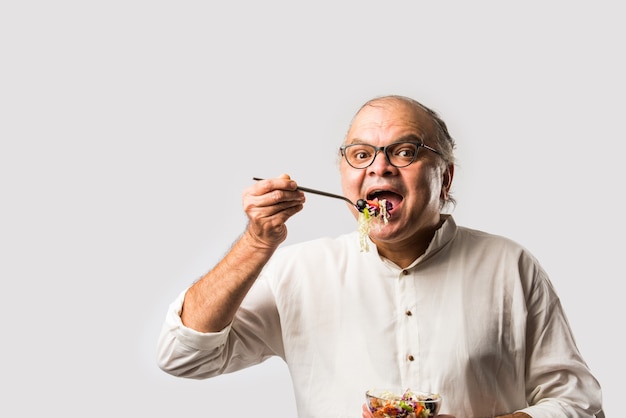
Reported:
(408, 313)
(405, 272)
(410, 357)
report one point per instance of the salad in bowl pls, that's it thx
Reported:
(410, 404)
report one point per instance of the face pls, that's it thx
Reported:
(415, 190)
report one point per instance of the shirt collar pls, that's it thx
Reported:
(442, 237)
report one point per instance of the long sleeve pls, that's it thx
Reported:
(559, 382)
(251, 338)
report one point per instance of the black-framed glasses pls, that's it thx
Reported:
(398, 154)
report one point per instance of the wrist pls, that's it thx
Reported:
(255, 242)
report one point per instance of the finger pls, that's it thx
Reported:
(272, 203)
(282, 182)
(277, 193)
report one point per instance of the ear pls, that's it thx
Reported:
(446, 182)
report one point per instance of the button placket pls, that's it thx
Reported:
(409, 340)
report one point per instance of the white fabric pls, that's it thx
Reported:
(485, 330)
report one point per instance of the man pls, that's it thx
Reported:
(431, 306)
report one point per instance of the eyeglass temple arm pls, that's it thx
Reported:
(436, 151)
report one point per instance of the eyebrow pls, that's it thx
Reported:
(405, 138)
(410, 138)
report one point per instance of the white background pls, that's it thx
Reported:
(130, 128)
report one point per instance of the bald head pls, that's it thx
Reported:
(440, 137)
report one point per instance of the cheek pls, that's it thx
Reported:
(429, 186)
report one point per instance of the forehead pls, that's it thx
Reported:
(389, 119)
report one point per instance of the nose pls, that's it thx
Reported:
(381, 165)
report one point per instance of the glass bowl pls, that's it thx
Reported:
(410, 404)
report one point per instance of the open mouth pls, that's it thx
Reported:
(391, 197)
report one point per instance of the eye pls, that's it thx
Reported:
(359, 152)
(405, 151)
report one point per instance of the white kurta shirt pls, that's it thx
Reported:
(475, 319)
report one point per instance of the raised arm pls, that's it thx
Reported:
(210, 304)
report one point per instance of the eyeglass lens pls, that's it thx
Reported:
(399, 154)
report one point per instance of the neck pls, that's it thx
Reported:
(404, 253)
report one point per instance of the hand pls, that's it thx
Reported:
(268, 205)
(368, 414)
